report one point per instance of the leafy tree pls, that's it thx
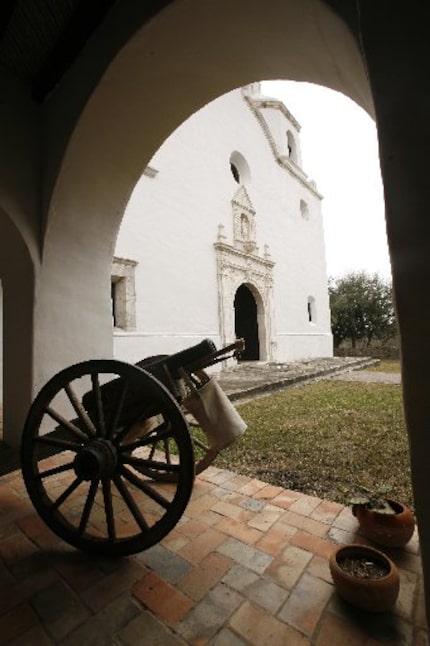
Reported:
(361, 308)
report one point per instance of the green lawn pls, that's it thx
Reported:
(326, 439)
(385, 366)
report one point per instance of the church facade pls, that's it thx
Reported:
(223, 238)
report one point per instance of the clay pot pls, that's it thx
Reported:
(372, 595)
(387, 530)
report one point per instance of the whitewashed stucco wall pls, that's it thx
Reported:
(171, 224)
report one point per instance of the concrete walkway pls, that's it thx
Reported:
(254, 378)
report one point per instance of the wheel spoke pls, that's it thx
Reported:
(166, 445)
(129, 501)
(145, 488)
(88, 506)
(99, 404)
(80, 411)
(147, 467)
(163, 431)
(107, 497)
(61, 444)
(55, 470)
(147, 412)
(65, 423)
(122, 392)
(66, 493)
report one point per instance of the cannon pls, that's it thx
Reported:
(110, 450)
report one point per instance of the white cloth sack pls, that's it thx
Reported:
(216, 415)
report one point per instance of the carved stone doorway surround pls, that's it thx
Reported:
(234, 268)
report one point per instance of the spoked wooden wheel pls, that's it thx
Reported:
(90, 456)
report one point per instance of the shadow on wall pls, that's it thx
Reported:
(1, 348)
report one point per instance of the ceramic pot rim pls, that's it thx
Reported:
(356, 549)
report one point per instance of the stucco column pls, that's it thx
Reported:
(397, 60)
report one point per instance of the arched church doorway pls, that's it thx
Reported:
(246, 323)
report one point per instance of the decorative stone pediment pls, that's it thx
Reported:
(244, 231)
(240, 263)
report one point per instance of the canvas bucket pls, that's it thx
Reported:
(215, 413)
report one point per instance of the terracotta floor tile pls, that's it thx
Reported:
(318, 567)
(194, 527)
(239, 577)
(17, 621)
(163, 599)
(16, 547)
(326, 511)
(196, 550)
(36, 636)
(304, 522)
(338, 632)
(232, 511)
(112, 585)
(236, 483)
(219, 476)
(268, 492)
(246, 555)
(264, 519)
(305, 505)
(59, 609)
(148, 629)
(315, 544)
(345, 520)
(289, 567)
(260, 627)
(276, 538)
(284, 499)
(240, 530)
(165, 563)
(208, 616)
(266, 594)
(202, 578)
(99, 629)
(306, 603)
(252, 487)
(174, 541)
(407, 595)
(200, 505)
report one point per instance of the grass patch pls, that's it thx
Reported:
(385, 366)
(326, 439)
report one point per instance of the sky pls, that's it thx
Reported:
(340, 152)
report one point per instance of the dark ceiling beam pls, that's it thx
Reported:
(6, 10)
(83, 23)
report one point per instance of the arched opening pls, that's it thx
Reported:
(240, 168)
(291, 146)
(246, 322)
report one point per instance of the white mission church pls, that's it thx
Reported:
(223, 238)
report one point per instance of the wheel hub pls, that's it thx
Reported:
(98, 459)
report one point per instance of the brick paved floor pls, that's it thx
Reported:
(247, 564)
